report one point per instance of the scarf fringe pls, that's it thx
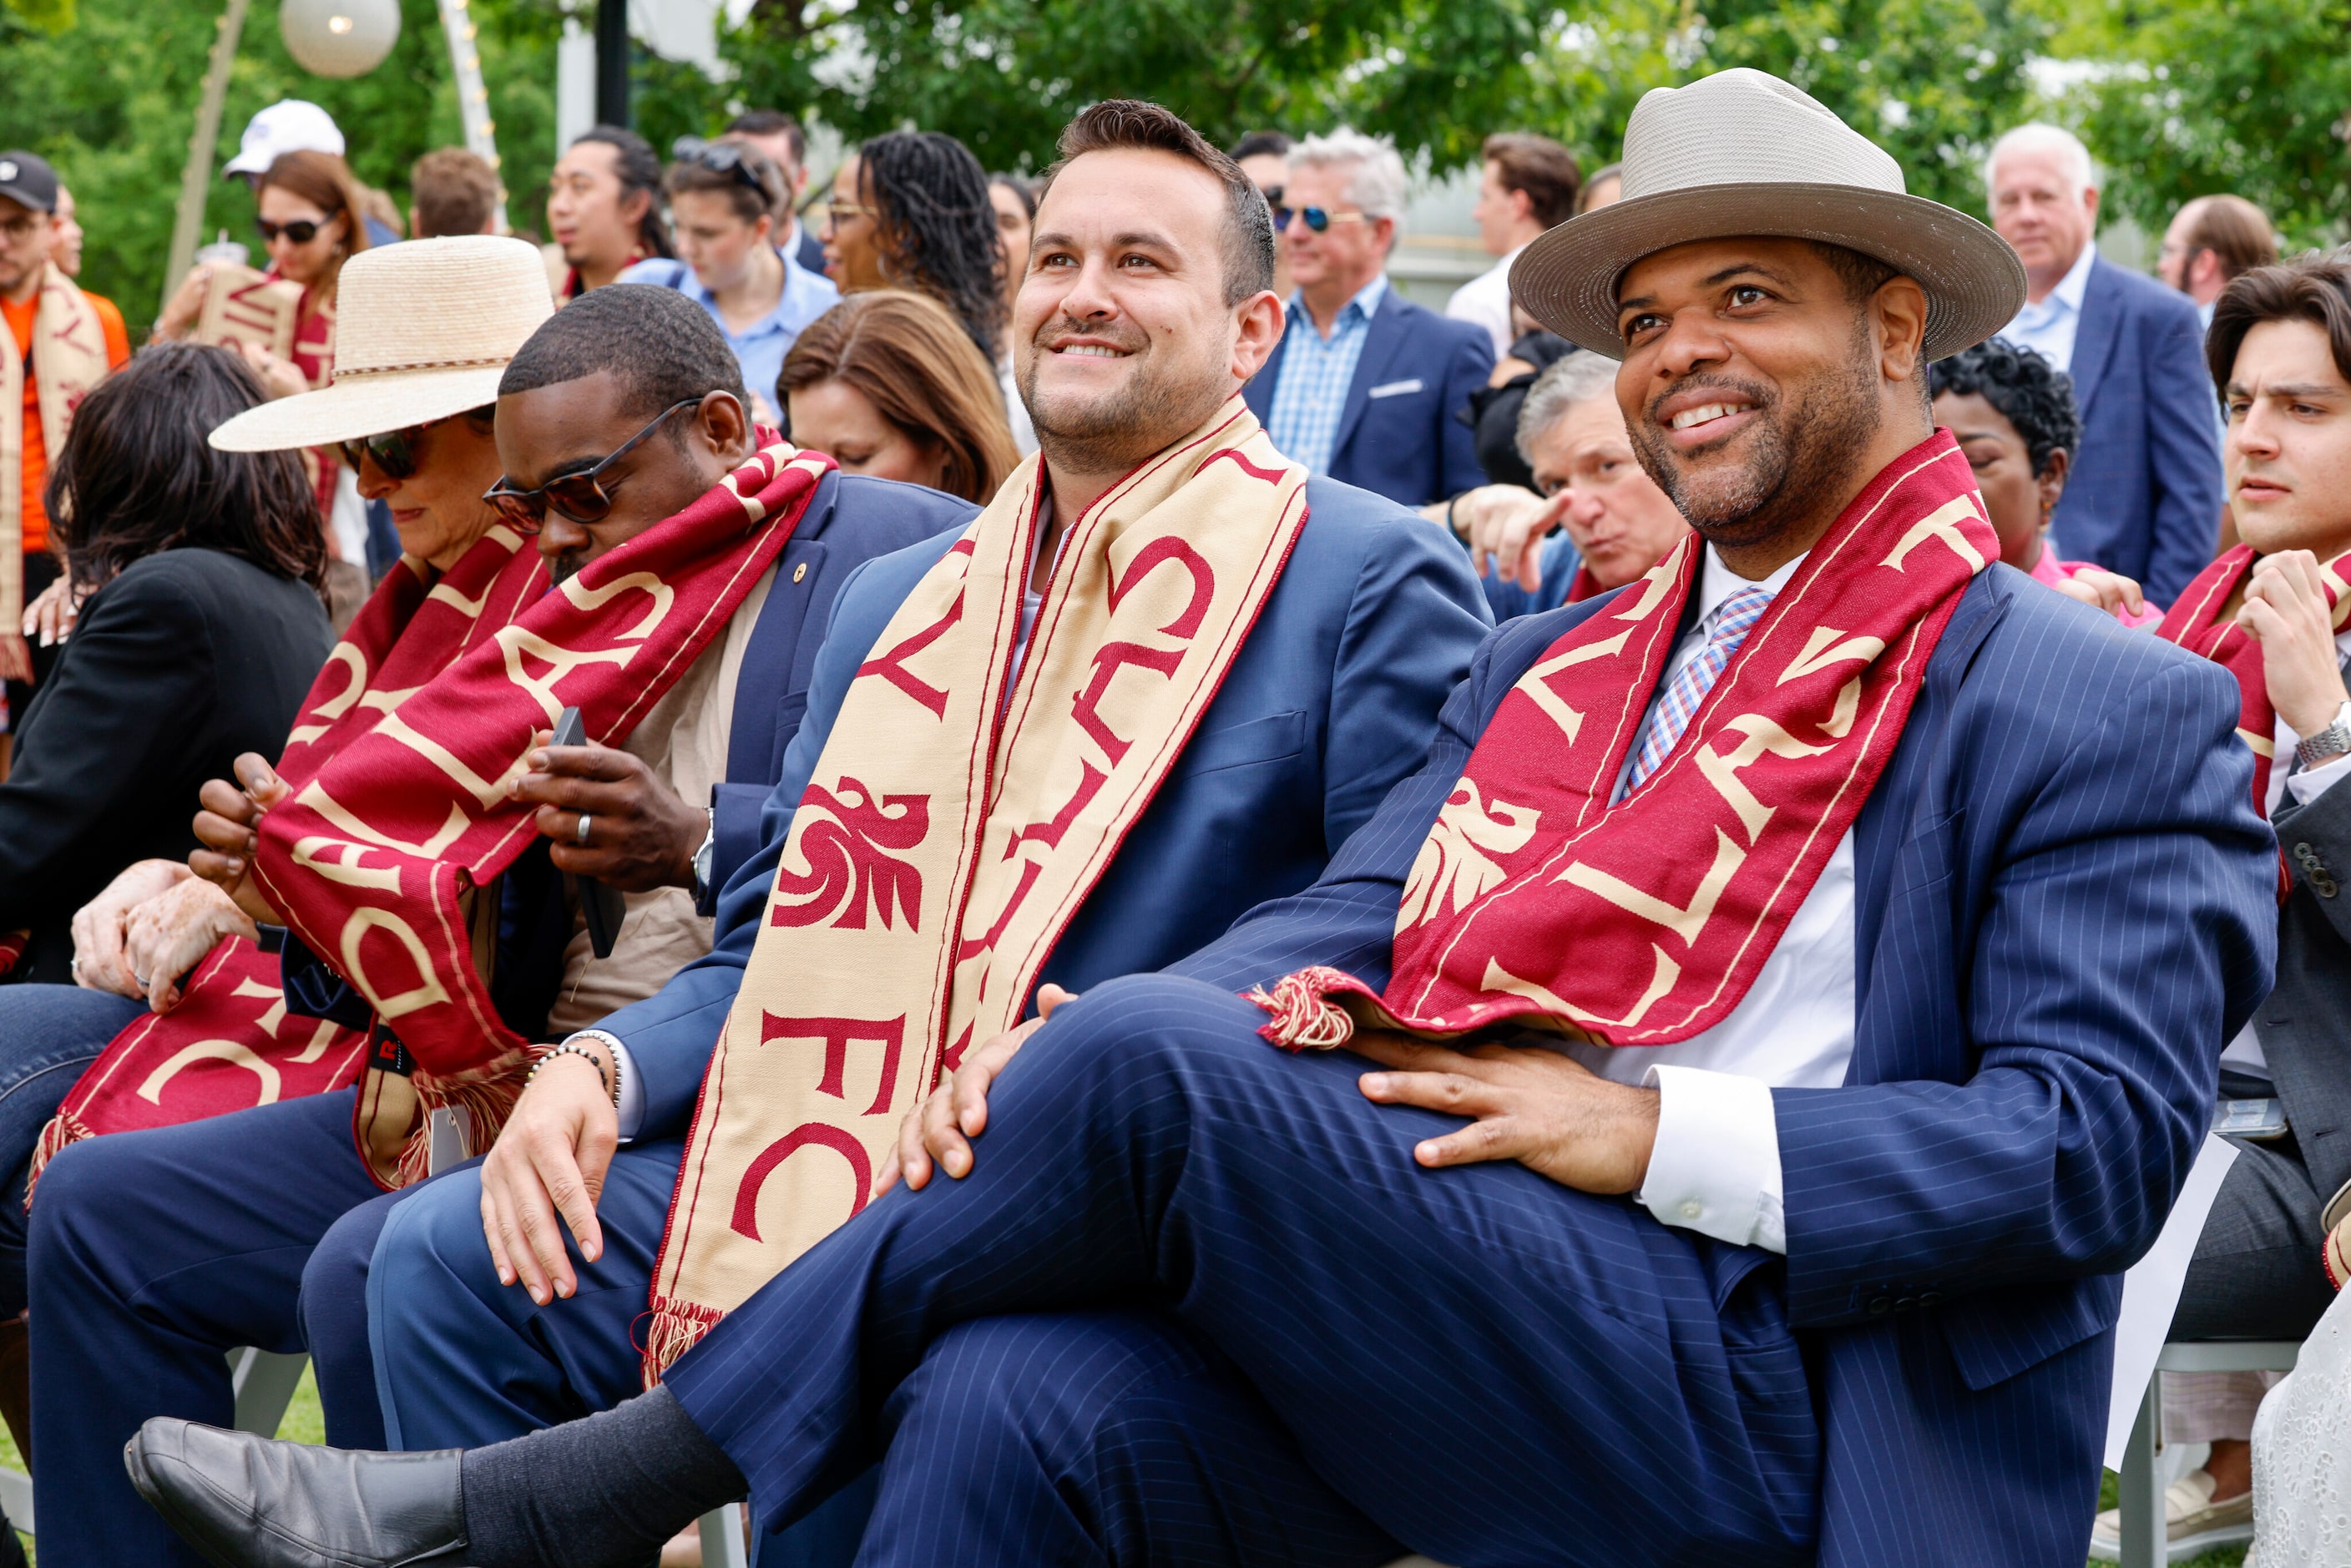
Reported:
(62, 1129)
(677, 1327)
(486, 1094)
(1304, 1018)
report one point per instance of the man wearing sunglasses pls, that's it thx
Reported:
(1365, 384)
(147, 1298)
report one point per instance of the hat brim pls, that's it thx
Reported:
(1973, 281)
(358, 407)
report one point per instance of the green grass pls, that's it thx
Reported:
(2109, 1491)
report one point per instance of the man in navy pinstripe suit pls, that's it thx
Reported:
(1832, 1281)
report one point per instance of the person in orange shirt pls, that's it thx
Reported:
(63, 341)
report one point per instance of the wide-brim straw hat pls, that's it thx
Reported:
(423, 330)
(1742, 153)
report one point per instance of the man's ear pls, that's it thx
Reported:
(1260, 322)
(725, 426)
(1899, 317)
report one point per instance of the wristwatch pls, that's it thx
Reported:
(710, 844)
(2328, 743)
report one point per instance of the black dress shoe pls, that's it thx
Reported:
(245, 1501)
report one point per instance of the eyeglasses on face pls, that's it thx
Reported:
(840, 212)
(581, 496)
(1315, 218)
(22, 226)
(301, 231)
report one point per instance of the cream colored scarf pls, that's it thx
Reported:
(69, 358)
(950, 832)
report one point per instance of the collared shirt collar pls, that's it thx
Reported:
(2076, 281)
(1718, 582)
(778, 319)
(1366, 302)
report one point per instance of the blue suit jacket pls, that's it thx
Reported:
(2145, 492)
(2065, 904)
(1332, 699)
(1404, 444)
(851, 520)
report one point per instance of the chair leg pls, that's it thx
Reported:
(2145, 1539)
(722, 1545)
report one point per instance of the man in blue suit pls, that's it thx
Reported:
(1365, 384)
(1832, 1279)
(2144, 496)
(1329, 702)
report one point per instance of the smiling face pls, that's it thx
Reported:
(306, 263)
(836, 418)
(1755, 387)
(586, 210)
(571, 426)
(1123, 338)
(1621, 522)
(2288, 454)
(1347, 254)
(714, 238)
(853, 254)
(2018, 499)
(438, 509)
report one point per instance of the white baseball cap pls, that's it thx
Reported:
(289, 125)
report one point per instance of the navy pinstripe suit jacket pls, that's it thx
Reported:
(2066, 905)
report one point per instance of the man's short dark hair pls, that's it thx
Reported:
(1125, 124)
(1862, 275)
(2235, 231)
(2032, 394)
(1262, 144)
(454, 191)
(771, 122)
(2315, 288)
(659, 345)
(1542, 168)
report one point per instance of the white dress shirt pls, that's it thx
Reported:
(1715, 1164)
(2050, 327)
(1484, 301)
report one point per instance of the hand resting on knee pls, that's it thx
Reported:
(546, 1172)
(939, 1130)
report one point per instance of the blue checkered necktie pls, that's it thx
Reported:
(1726, 629)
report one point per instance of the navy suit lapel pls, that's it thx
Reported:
(2094, 338)
(1381, 340)
(1259, 393)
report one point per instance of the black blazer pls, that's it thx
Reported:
(2306, 1024)
(188, 658)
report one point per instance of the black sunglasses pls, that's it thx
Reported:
(581, 496)
(394, 452)
(301, 231)
(1316, 218)
(724, 158)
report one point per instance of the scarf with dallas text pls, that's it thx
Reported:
(230, 1045)
(376, 861)
(1536, 902)
(950, 832)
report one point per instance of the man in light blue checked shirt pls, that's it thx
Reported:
(1366, 384)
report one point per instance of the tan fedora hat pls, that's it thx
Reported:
(423, 330)
(1742, 153)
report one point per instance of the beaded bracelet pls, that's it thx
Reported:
(569, 1049)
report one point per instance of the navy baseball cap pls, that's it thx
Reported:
(27, 179)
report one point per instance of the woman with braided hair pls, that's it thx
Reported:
(911, 210)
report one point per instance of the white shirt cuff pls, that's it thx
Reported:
(632, 1109)
(2311, 782)
(1715, 1168)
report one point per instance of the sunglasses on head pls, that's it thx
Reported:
(726, 158)
(1315, 218)
(581, 496)
(301, 231)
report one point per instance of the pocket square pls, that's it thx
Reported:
(1394, 388)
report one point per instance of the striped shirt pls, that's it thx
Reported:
(1316, 372)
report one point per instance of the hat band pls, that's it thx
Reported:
(355, 373)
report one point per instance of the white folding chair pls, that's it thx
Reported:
(2145, 1541)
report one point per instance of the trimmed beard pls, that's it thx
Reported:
(1120, 429)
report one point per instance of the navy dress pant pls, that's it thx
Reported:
(155, 1253)
(1198, 1303)
(48, 1036)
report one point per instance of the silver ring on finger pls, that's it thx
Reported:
(580, 833)
(141, 978)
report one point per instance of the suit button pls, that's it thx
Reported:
(1880, 1306)
(1929, 1298)
(1906, 1303)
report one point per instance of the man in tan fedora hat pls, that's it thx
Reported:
(277, 1124)
(1732, 1072)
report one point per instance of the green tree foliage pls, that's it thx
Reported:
(2253, 96)
(110, 100)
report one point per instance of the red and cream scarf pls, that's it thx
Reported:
(951, 831)
(230, 1044)
(68, 359)
(375, 861)
(1536, 902)
(2195, 623)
